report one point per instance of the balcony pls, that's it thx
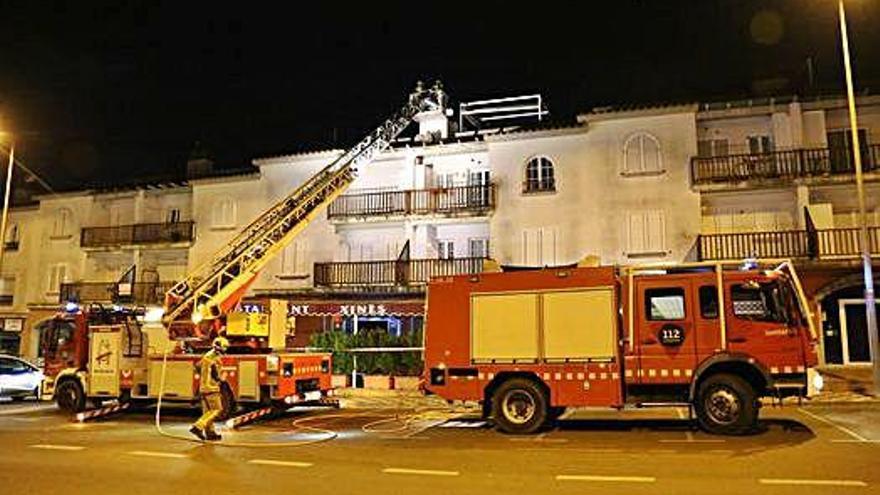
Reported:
(462, 200)
(391, 273)
(106, 292)
(826, 244)
(790, 164)
(137, 234)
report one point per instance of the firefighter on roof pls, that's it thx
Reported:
(210, 379)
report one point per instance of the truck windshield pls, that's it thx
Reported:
(760, 302)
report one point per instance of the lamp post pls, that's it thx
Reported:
(870, 312)
(6, 195)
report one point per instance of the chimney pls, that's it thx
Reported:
(199, 163)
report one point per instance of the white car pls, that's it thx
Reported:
(18, 378)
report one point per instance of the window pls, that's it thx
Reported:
(13, 235)
(61, 225)
(840, 149)
(13, 367)
(57, 276)
(446, 249)
(760, 144)
(446, 180)
(224, 213)
(540, 246)
(293, 258)
(707, 148)
(539, 176)
(664, 304)
(7, 291)
(709, 302)
(641, 155)
(760, 302)
(478, 248)
(646, 233)
(172, 215)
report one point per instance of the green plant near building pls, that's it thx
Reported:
(372, 363)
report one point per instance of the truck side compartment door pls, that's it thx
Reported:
(665, 331)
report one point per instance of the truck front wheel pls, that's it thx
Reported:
(726, 405)
(519, 406)
(70, 397)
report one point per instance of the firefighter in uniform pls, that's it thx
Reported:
(210, 379)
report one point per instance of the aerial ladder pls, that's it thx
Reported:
(194, 307)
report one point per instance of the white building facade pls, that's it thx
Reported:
(618, 186)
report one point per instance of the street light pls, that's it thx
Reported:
(6, 195)
(870, 314)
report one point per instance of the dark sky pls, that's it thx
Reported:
(98, 91)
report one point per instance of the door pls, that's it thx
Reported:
(854, 331)
(665, 329)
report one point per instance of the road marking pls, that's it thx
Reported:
(25, 410)
(47, 446)
(425, 472)
(270, 462)
(779, 481)
(846, 440)
(539, 439)
(832, 423)
(692, 440)
(592, 477)
(150, 453)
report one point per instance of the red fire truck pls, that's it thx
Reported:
(528, 344)
(95, 353)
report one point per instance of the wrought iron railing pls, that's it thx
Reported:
(818, 244)
(781, 164)
(108, 292)
(444, 200)
(141, 233)
(392, 272)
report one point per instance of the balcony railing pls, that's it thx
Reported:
(781, 164)
(448, 200)
(820, 244)
(389, 273)
(107, 292)
(141, 233)
(546, 184)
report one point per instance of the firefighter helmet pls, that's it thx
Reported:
(221, 344)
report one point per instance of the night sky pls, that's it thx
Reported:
(97, 92)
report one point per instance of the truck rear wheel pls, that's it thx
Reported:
(726, 405)
(519, 406)
(70, 397)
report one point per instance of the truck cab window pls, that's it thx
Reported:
(709, 302)
(758, 302)
(664, 304)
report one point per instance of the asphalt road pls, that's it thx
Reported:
(802, 450)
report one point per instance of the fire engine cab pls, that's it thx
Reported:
(529, 344)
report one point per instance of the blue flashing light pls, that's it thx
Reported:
(71, 307)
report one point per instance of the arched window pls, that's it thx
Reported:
(641, 155)
(539, 175)
(62, 223)
(224, 212)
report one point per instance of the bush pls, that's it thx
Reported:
(372, 363)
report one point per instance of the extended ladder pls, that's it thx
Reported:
(215, 287)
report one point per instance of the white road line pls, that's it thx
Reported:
(832, 423)
(150, 453)
(846, 440)
(592, 477)
(25, 410)
(47, 446)
(425, 472)
(270, 462)
(692, 440)
(781, 481)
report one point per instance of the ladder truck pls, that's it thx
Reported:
(95, 354)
